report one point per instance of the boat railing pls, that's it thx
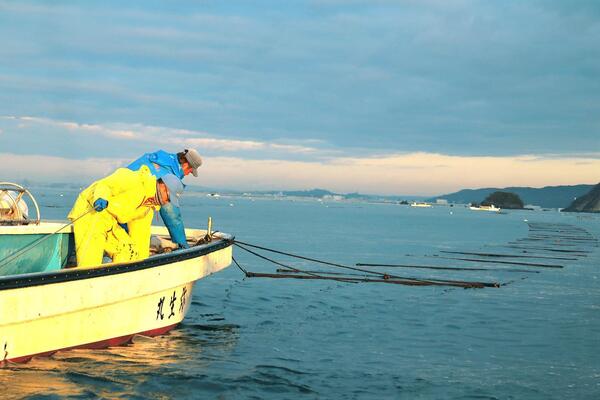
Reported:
(12, 205)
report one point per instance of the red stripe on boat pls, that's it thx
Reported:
(102, 344)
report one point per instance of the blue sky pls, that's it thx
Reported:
(373, 96)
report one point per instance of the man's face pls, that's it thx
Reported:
(163, 193)
(186, 167)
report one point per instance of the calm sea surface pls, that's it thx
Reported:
(535, 338)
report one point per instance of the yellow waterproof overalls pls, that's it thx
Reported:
(131, 201)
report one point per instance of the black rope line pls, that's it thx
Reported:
(526, 264)
(504, 255)
(444, 268)
(277, 262)
(237, 242)
(383, 275)
(239, 266)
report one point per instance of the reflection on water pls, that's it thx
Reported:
(122, 371)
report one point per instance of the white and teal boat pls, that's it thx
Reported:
(46, 304)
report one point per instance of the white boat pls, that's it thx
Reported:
(485, 208)
(47, 305)
(419, 204)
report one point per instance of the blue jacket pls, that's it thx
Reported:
(160, 163)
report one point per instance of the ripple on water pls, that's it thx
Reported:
(534, 339)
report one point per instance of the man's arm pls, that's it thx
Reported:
(171, 216)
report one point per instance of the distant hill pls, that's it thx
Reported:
(308, 193)
(506, 200)
(589, 202)
(548, 197)
(321, 193)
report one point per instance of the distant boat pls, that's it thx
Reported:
(485, 208)
(419, 204)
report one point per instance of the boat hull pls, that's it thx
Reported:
(104, 306)
(485, 208)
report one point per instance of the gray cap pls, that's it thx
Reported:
(175, 188)
(194, 159)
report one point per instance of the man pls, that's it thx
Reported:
(124, 197)
(180, 165)
(160, 163)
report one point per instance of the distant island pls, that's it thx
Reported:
(546, 197)
(505, 200)
(327, 194)
(590, 202)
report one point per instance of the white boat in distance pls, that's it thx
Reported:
(485, 208)
(419, 204)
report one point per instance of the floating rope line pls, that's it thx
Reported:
(465, 285)
(559, 238)
(442, 268)
(502, 262)
(323, 272)
(552, 238)
(556, 243)
(564, 231)
(289, 268)
(571, 238)
(383, 277)
(498, 255)
(579, 253)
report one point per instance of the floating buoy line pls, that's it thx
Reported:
(549, 238)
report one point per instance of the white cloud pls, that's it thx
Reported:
(160, 135)
(413, 173)
(254, 164)
(18, 167)
(223, 144)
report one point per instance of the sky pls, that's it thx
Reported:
(418, 97)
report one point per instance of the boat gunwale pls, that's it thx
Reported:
(75, 274)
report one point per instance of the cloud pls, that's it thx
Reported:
(412, 173)
(374, 96)
(17, 167)
(143, 137)
(415, 173)
(254, 164)
(462, 77)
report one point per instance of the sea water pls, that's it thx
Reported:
(538, 337)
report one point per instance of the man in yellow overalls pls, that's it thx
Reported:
(124, 197)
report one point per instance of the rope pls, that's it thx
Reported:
(278, 263)
(239, 266)
(383, 275)
(237, 242)
(30, 246)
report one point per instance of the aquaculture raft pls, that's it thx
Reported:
(529, 255)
